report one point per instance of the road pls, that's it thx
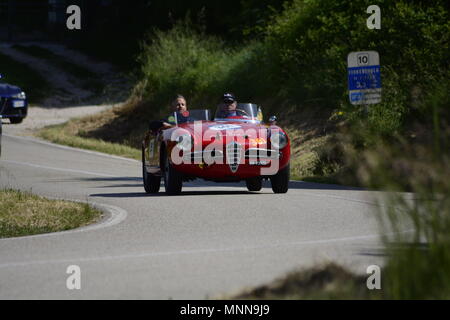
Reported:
(212, 240)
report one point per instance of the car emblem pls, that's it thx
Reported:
(234, 151)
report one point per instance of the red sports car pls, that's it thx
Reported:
(228, 149)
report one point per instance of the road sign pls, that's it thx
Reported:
(364, 80)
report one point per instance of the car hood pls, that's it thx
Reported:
(7, 90)
(222, 128)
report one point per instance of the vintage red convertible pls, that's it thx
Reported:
(227, 149)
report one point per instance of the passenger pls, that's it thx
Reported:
(178, 104)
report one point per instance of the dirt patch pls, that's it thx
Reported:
(39, 117)
(66, 90)
(330, 281)
(69, 97)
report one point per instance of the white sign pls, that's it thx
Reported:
(220, 127)
(364, 77)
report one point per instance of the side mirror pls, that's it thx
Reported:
(273, 120)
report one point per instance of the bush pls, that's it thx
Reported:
(419, 260)
(309, 42)
(200, 67)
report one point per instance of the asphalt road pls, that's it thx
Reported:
(214, 239)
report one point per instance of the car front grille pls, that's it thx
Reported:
(200, 156)
(234, 155)
(261, 153)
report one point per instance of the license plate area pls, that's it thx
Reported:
(18, 103)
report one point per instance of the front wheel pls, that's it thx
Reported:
(254, 184)
(280, 181)
(152, 183)
(173, 180)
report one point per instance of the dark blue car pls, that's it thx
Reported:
(13, 102)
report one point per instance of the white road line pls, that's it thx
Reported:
(90, 173)
(70, 148)
(186, 252)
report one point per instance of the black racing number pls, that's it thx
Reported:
(363, 59)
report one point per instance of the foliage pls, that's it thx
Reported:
(418, 261)
(309, 42)
(200, 67)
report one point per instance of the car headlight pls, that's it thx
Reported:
(278, 140)
(21, 95)
(184, 142)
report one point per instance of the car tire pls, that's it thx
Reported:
(15, 120)
(173, 180)
(152, 183)
(280, 181)
(254, 184)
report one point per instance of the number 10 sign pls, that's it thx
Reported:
(364, 80)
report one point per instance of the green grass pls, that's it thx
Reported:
(59, 134)
(16, 73)
(23, 213)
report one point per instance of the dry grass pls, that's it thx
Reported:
(75, 133)
(22, 213)
(329, 281)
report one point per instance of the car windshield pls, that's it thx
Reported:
(243, 112)
(188, 116)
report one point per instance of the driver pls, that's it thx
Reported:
(228, 106)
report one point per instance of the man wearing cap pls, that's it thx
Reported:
(228, 106)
